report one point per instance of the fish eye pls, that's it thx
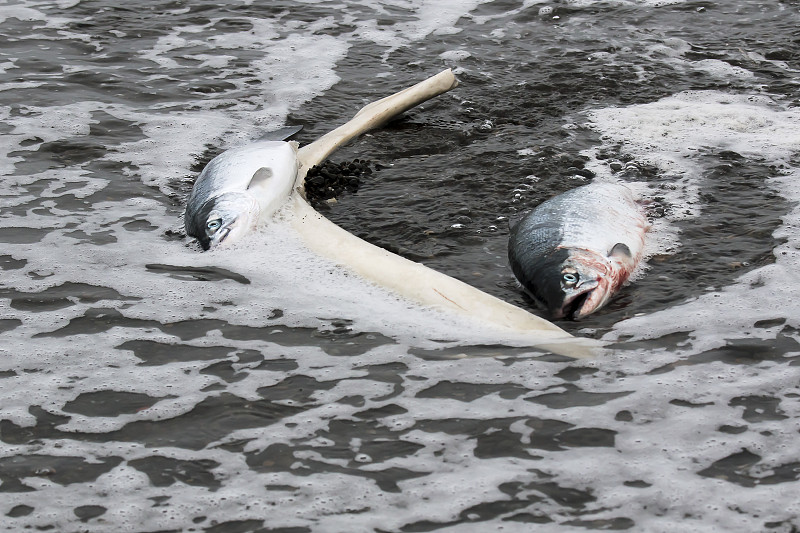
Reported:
(569, 279)
(213, 225)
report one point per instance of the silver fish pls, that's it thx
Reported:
(574, 251)
(240, 188)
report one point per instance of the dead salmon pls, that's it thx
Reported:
(574, 251)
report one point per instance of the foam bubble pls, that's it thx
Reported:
(455, 56)
(54, 122)
(722, 69)
(21, 13)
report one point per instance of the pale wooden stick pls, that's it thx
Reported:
(410, 280)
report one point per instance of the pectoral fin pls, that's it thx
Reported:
(260, 178)
(621, 250)
(622, 254)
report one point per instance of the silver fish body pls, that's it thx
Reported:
(575, 250)
(240, 188)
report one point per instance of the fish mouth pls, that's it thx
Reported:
(572, 307)
(218, 239)
(224, 235)
(579, 304)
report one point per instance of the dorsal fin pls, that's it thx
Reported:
(260, 177)
(281, 134)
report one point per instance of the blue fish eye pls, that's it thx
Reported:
(569, 278)
(214, 225)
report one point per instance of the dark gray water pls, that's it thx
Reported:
(146, 386)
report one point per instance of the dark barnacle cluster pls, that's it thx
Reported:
(329, 180)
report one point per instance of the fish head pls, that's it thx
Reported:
(575, 284)
(223, 220)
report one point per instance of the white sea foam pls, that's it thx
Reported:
(438, 18)
(643, 3)
(29, 14)
(55, 122)
(722, 69)
(752, 125)
(455, 56)
(672, 133)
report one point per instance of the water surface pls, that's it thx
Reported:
(146, 386)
